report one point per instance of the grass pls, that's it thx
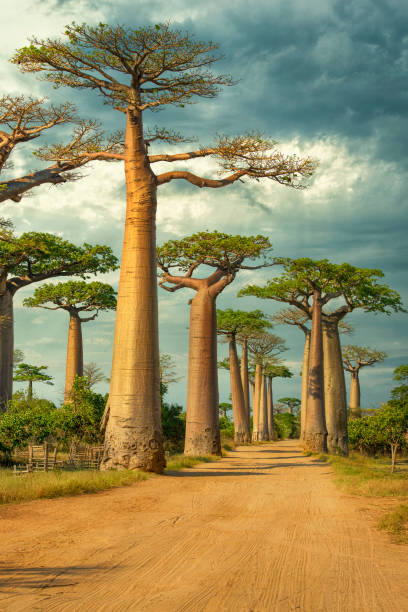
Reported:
(181, 462)
(26, 487)
(371, 477)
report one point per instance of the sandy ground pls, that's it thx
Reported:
(264, 529)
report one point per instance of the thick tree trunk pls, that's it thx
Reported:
(315, 430)
(241, 425)
(133, 438)
(269, 406)
(335, 400)
(75, 357)
(354, 404)
(305, 374)
(256, 404)
(245, 379)
(6, 348)
(202, 420)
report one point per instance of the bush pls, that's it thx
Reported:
(286, 425)
(26, 420)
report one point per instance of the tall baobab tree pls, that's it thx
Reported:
(25, 119)
(305, 280)
(226, 255)
(34, 257)
(355, 358)
(271, 371)
(75, 297)
(264, 349)
(136, 71)
(231, 323)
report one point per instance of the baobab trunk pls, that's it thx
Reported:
(354, 403)
(335, 401)
(269, 406)
(256, 404)
(245, 379)
(202, 420)
(315, 431)
(75, 358)
(6, 348)
(263, 412)
(305, 374)
(133, 438)
(241, 425)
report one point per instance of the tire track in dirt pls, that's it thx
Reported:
(261, 530)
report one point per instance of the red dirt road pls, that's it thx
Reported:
(262, 530)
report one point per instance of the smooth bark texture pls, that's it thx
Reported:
(334, 390)
(241, 426)
(6, 348)
(355, 398)
(202, 419)
(315, 430)
(263, 411)
(133, 438)
(305, 374)
(269, 406)
(245, 379)
(75, 358)
(256, 431)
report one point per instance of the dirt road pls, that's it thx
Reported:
(262, 530)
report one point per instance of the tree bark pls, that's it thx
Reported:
(245, 380)
(315, 431)
(269, 405)
(241, 425)
(305, 375)
(75, 357)
(6, 347)
(256, 404)
(335, 400)
(355, 409)
(263, 411)
(133, 438)
(30, 390)
(202, 420)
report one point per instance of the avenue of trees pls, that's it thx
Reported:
(135, 71)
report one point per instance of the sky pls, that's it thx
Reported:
(327, 78)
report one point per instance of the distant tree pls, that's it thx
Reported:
(18, 356)
(26, 119)
(30, 373)
(223, 408)
(30, 258)
(293, 403)
(401, 392)
(168, 373)
(264, 349)
(355, 358)
(271, 371)
(79, 420)
(226, 255)
(93, 374)
(138, 70)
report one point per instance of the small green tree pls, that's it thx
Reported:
(293, 404)
(392, 426)
(30, 373)
(79, 420)
(401, 392)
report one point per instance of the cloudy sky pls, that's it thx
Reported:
(326, 78)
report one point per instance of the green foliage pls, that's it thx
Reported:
(173, 426)
(214, 249)
(25, 371)
(80, 419)
(35, 256)
(241, 322)
(358, 286)
(226, 427)
(74, 295)
(356, 357)
(277, 371)
(286, 425)
(26, 421)
(401, 392)
(293, 403)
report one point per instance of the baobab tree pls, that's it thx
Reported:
(137, 71)
(264, 349)
(30, 373)
(225, 254)
(305, 280)
(273, 370)
(26, 118)
(292, 403)
(231, 323)
(75, 297)
(298, 318)
(355, 358)
(34, 257)
(167, 372)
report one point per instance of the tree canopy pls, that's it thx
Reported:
(77, 296)
(264, 347)
(356, 357)
(274, 370)
(36, 256)
(241, 322)
(357, 287)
